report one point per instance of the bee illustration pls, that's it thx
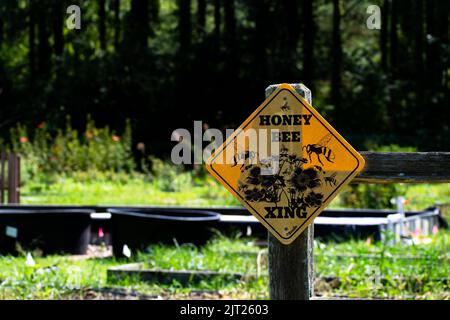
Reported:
(246, 155)
(285, 107)
(318, 168)
(331, 180)
(284, 149)
(320, 148)
(302, 160)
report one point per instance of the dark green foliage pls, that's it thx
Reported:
(370, 196)
(164, 64)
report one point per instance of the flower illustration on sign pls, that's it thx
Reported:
(295, 182)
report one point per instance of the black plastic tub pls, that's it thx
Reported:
(137, 228)
(339, 233)
(354, 228)
(50, 230)
(346, 224)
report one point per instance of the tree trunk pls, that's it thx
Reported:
(185, 25)
(433, 55)
(58, 25)
(230, 20)
(231, 49)
(154, 10)
(442, 34)
(2, 24)
(418, 54)
(44, 51)
(102, 24)
(31, 40)
(201, 16)
(138, 26)
(116, 8)
(261, 17)
(230, 31)
(184, 77)
(291, 8)
(393, 39)
(384, 35)
(217, 22)
(393, 66)
(418, 63)
(286, 40)
(336, 51)
(308, 44)
(441, 67)
(431, 46)
(406, 12)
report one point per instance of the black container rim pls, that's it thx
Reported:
(153, 214)
(5, 211)
(369, 210)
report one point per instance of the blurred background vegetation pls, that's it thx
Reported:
(65, 94)
(153, 60)
(97, 166)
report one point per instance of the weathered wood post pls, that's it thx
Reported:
(13, 178)
(291, 272)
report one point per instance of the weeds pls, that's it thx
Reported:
(48, 153)
(353, 269)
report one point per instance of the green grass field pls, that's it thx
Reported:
(136, 190)
(354, 269)
(357, 269)
(124, 190)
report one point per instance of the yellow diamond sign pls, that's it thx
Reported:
(285, 163)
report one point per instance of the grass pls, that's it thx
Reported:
(60, 277)
(193, 258)
(52, 277)
(363, 269)
(400, 271)
(135, 189)
(128, 190)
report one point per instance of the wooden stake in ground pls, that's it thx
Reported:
(291, 274)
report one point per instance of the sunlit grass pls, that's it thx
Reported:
(137, 190)
(399, 271)
(365, 270)
(129, 191)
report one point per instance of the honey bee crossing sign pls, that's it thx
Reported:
(285, 163)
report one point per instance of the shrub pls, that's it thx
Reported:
(374, 196)
(64, 151)
(170, 177)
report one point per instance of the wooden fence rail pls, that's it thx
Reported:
(405, 167)
(9, 178)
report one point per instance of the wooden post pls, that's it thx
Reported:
(291, 273)
(2, 177)
(405, 167)
(13, 178)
